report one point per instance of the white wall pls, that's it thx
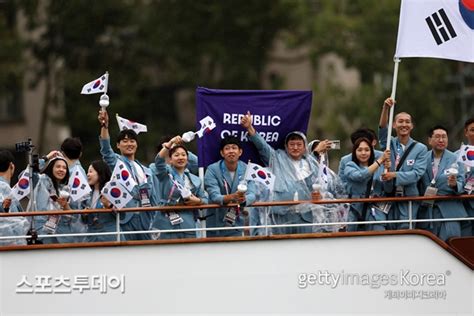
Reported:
(243, 277)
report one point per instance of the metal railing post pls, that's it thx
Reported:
(117, 226)
(410, 214)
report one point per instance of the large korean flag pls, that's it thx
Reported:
(436, 28)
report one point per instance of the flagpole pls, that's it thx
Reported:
(104, 100)
(201, 211)
(392, 95)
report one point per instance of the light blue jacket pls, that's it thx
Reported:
(169, 195)
(192, 167)
(131, 221)
(358, 178)
(346, 159)
(68, 224)
(99, 222)
(410, 172)
(218, 183)
(449, 208)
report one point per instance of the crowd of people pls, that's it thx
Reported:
(404, 168)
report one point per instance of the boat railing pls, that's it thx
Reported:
(265, 226)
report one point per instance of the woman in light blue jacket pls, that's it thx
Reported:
(98, 175)
(52, 194)
(363, 180)
(177, 186)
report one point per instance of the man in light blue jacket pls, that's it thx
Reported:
(408, 163)
(7, 168)
(443, 176)
(295, 170)
(222, 181)
(144, 192)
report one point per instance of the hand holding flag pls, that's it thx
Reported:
(98, 85)
(124, 123)
(116, 194)
(23, 187)
(184, 191)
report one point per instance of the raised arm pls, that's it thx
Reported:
(106, 150)
(387, 104)
(264, 150)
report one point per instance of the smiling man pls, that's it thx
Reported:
(440, 178)
(408, 163)
(143, 193)
(221, 181)
(295, 170)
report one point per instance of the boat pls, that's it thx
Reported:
(385, 273)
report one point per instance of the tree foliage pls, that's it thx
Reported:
(364, 34)
(156, 48)
(152, 49)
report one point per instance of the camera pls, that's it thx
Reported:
(24, 146)
(27, 147)
(335, 144)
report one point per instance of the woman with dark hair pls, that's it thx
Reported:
(363, 176)
(177, 186)
(98, 175)
(52, 194)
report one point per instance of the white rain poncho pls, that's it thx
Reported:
(291, 183)
(12, 226)
(68, 224)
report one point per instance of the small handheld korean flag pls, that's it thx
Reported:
(22, 188)
(78, 184)
(98, 85)
(116, 194)
(207, 125)
(466, 155)
(122, 175)
(263, 175)
(184, 191)
(124, 123)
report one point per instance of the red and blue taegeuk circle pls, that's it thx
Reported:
(466, 8)
(23, 183)
(115, 192)
(76, 182)
(96, 84)
(125, 175)
(262, 174)
(470, 155)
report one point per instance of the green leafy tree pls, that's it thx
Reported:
(152, 50)
(363, 33)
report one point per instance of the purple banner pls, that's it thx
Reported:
(275, 114)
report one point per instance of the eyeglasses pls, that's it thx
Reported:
(437, 137)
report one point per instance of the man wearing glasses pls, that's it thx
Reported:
(443, 176)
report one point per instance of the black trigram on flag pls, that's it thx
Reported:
(440, 27)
